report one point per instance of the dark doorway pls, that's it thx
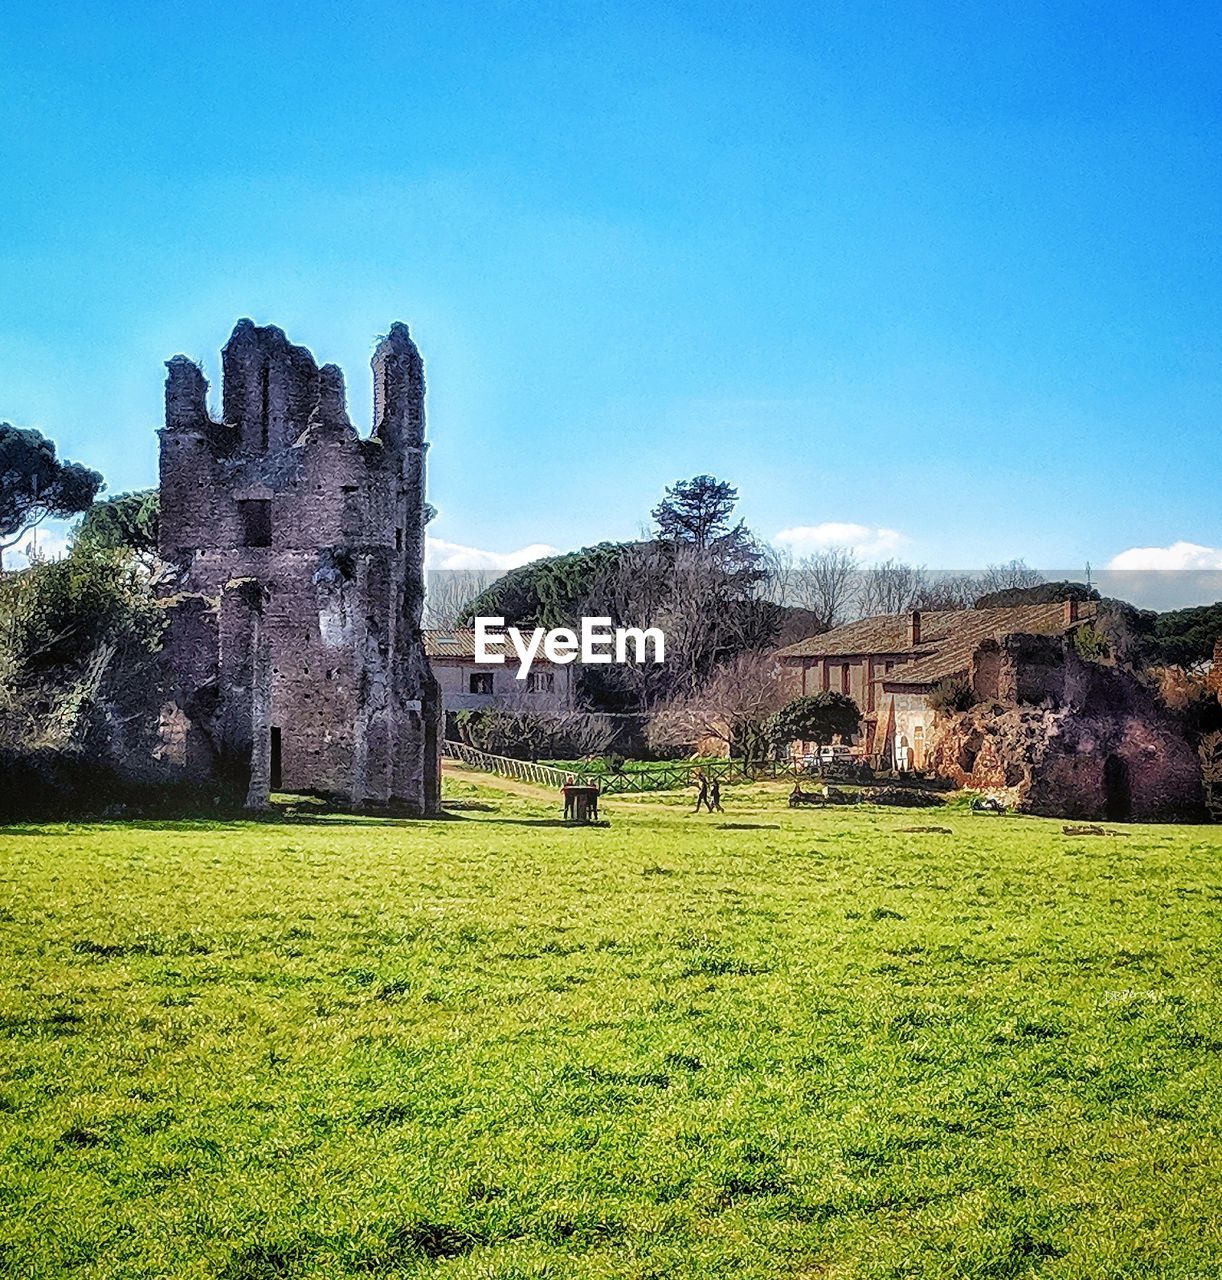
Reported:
(1117, 798)
(276, 778)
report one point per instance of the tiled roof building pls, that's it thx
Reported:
(890, 663)
(468, 685)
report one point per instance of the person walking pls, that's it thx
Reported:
(701, 783)
(715, 797)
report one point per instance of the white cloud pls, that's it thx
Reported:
(453, 555)
(866, 541)
(1179, 555)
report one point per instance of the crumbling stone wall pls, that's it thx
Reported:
(295, 656)
(1021, 668)
(1067, 739)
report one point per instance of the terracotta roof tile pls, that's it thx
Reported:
(885, 633)
(948, 638)
(459, 643)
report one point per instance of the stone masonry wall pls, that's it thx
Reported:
(1066, 737)
(305, 541)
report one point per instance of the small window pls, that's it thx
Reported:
(844, 677)
(541, 681)
(256, 522)
(481, 682)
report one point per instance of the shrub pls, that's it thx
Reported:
(1091, 645)
(58, 611)
(952, 695)
(77, 637)
(525, 733)
(817, 717)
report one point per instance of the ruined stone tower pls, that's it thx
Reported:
(296, 549)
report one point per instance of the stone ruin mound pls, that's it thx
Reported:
(1074, 739)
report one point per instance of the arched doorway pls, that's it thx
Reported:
(1117, 796)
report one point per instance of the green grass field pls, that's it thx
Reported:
(765, 1043)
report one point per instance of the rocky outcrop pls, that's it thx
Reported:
(1097, 744)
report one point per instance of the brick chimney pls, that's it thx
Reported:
(1071, 612)
(914, 628)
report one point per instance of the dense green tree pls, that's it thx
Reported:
(35, 484)
(1142, 638)
(127, 521)
(815, 717)
(1120, 632)
(78, 674)
(545, 593)
(699, 514)
(697, 511)
(1039, 593)
(1185, 637)
(61, 611)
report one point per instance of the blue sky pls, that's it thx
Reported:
(947, 274)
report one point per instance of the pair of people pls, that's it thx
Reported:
(707, 794)
(570, 800)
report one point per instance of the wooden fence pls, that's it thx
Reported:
(542, 775)
(664, 776)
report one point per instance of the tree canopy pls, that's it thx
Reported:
(698, 511)
(1185, 637)
(545, 593)
(815, 717)
(128, 521)
(35, 483)
(1143, 638)
(1037, 593)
